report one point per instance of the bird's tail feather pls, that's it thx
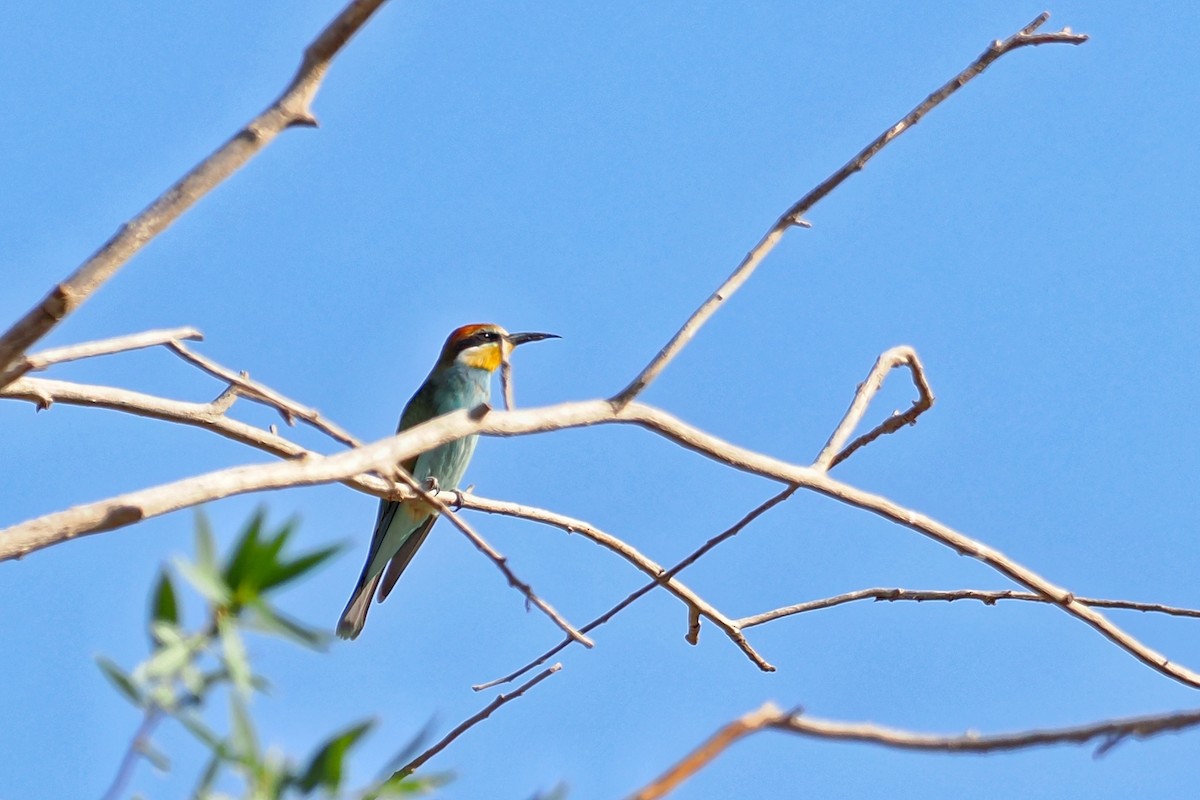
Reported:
(355, 615)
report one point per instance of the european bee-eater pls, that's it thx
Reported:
(461, 379)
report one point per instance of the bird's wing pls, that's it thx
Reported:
(404, 555)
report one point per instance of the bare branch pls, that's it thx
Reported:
(289, 409)
(210, 416)
(500, 561)
(895, 357)
(103, 347)
(466, 724)
(293, 107)
(1110, 732)
(666, 579)
(794, 215)
(989, 598)
(35, 534)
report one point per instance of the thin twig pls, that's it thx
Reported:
(288, 408)
(103, 347)
(895, 357)
(665, 579)
(500, 561)
(794, 215)
(989, 598)
(137, 745)
(660, 575)
(466, 724)
(292, 108)
(1110, 732)
(44, 392)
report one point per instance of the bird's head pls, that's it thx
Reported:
(485, 346)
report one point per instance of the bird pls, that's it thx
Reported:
(461, 379)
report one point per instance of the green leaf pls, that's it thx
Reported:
(325, 767)
(245, 742)
(206, 550)
(206, 580)
(155, 756)
(272, 621)
(399, 785)
(163, 606)
(234, 655)
(166, 633)
(245, 551)
(290, 570)
(207, 777)
(118, 678)
(197, 728)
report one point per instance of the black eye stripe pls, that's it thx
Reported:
(476, 339)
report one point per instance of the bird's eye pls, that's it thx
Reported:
(489, 336)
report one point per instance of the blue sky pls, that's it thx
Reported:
(595, 170)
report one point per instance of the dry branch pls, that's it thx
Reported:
(834, 453)
(483, 714)
(500, 561)
(665, 578)
(794, 215)
(18, 540)
(288, 408)
(293, 107)
(927, 595)
(103, 347)
(1110, 732)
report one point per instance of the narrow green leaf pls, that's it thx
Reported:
(155, 756)
(168, 660)
(273, 621)
(290, 570)
(325, 767)
(118, 678)
(207, 778)
(197, 728)
(206, 549)
(166, 633)
(206, 580)
(245, 742)
(164, 607)
(234, 655)
(245, 551)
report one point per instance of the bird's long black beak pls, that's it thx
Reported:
(524, 338)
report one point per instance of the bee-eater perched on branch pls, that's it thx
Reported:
(461, 379)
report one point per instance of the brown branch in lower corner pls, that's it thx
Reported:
(466, 724)
(927, 595)
(1109, 732)
(794, 215)
(292, 108)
